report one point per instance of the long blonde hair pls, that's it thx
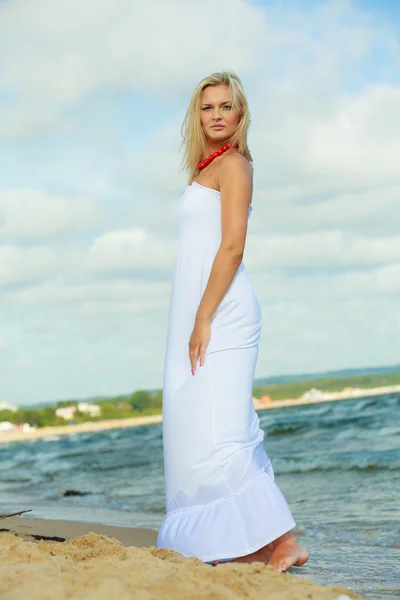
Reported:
(193, 138)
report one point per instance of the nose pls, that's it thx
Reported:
(216, 116)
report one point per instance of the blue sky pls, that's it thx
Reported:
(89, 148)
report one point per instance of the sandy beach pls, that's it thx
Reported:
(48, 432)
(105, 562)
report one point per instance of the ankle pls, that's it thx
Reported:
(283, 538)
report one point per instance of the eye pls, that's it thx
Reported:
(205, 108)
(228, 106)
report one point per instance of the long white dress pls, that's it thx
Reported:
(221, 496)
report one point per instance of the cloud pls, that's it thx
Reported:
(131, 252)
(322, 250)
(24, 266)
(352, 145)
(30, 214)
(115, 297)
(52, 60)
(131, 249)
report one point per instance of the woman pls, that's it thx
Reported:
(222, 501)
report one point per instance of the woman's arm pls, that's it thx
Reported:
(236, 187)
(235, 184)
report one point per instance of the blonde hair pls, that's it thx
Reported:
(193, 137)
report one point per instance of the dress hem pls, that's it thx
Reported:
(257, 511)
(253, 548)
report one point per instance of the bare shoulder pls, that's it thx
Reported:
(236, 161)
(235, 167)
(235, 170)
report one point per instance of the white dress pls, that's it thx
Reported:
(221, 496)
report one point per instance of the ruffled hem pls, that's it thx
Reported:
(233, 526)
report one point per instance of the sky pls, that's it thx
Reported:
(92, 96)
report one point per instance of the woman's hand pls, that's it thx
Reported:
(199, 341)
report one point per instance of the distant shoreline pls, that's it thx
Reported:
(90, 426)
(330, 396)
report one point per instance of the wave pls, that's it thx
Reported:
(326, 469)
(376, 461)
(360, 423)
(285, 430)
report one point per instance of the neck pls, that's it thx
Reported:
(210, 148)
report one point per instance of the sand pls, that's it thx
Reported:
(99, 562)
(90, 426)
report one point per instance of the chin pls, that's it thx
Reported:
(219, 137)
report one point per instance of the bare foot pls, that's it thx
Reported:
(262, 555)
(287, 553)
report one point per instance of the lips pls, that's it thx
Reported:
(218, 127)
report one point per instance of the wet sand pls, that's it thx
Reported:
(104, 562)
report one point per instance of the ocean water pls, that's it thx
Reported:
(337, 463)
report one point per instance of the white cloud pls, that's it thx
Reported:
(113, 297)
(310, 288)
(331, 249)
(55, 56)
(135, 252)
(339, 143)
(130, 249)
(360, 142)
(18, 265)
(34, 214)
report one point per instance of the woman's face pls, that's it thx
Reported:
(218, 119)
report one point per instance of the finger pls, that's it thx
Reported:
(202, 355)
(194, 355)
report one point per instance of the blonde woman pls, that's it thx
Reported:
(222, 500)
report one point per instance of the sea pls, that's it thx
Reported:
(337, 463)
